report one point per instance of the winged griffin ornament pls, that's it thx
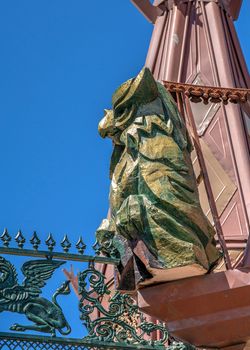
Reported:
(46, 315)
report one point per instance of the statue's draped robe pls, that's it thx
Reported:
(156, 217)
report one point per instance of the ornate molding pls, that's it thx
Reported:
(121, 321)
(199, 93)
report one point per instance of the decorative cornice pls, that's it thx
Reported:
(232, 7)
(198, 93)
(152, 11)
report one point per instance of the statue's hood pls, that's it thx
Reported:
(136, 91)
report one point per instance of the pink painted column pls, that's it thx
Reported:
(196, 42)
(225, 77)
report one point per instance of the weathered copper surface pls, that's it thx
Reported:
(207, 311)
(47, 316)
(156, 222)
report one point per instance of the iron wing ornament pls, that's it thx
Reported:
(156, 224)
(47, 316)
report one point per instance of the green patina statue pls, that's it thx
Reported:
(47, 316)
(155, 224)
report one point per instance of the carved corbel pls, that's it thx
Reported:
(151, 12)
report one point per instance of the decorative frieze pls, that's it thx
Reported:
(199, 93)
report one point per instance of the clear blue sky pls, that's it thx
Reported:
(59, 65)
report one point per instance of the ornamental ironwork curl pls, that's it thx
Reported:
(115, 324)
(121, 321)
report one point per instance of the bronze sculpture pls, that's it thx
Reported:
(47, 316)
(156, 224)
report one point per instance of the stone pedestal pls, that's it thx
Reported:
(211, 311)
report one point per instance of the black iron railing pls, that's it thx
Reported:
(120, 324)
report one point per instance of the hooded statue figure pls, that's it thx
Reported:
(155, 224)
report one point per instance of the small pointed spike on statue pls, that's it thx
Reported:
(80, 245)
(35, 241)
(6, 238)
(65, 244)
(20, 239)
(50, 242)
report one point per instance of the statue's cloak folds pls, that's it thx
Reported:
(156, 222)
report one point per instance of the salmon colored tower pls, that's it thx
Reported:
(195, 53)
(195, 42)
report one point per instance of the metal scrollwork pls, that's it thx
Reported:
(112, 319)
(46, 315)
(121, 321)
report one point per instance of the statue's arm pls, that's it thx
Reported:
(150, 11)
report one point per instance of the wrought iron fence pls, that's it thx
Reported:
(31, 342)
(120, 324)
